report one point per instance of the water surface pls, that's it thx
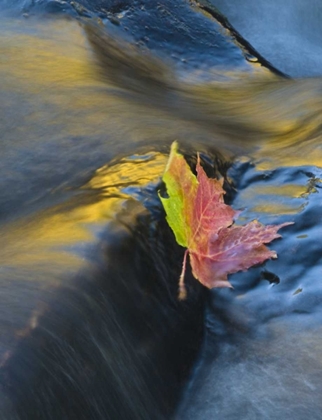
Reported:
(86, 123)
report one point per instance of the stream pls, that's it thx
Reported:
(92, 95)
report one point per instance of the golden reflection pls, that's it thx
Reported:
(298, 154)
(39, 55)
(276, 199)
(131, 171)
(285, 190)
(65, 232)
(277, 208)
(275, 120)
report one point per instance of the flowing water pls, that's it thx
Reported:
(289, 36)
(87, 114)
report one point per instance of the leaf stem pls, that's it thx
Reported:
(182, 287)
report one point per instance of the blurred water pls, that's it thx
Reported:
(289, 35)
(86, 123)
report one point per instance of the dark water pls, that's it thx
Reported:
(90, 323)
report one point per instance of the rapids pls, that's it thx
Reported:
(92, 95)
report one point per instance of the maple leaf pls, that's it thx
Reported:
(204, 224)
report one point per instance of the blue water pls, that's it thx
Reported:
(289, 35)
(83, 146)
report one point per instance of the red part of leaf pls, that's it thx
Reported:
(210, 213)
(236, 248)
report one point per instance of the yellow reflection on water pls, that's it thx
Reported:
(63, 232)
(271, 156)
(131, 171)
(43, 54)
(281, 199)
(49, 63)
(288, 190)
(277, 208)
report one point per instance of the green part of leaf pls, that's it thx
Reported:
(181, 186)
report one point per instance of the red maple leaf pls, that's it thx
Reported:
(204, 224)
